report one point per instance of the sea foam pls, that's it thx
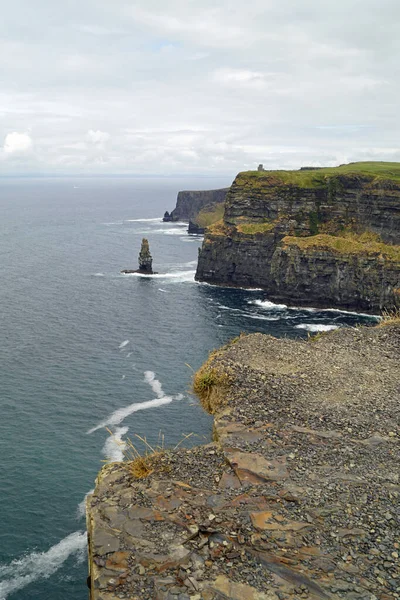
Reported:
(175, 277)
(153, 220)
(114, 446)
(120, 414)
(314, 327)
(123, 344)
(268, 305)
(81, 508)
(40, 565)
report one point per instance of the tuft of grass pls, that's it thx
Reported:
(210, 384)
(141, 462)
(389, 317)
(366, 243)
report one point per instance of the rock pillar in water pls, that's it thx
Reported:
(145, 258)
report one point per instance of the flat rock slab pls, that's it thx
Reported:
(298, 498)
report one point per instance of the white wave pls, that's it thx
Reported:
(314, 327)
(128, 355)
(114, 223)
(173, 231)
(335, 310)
(191, 263)
(348, 312)
(114, 447)
(81, 509)
(192, 238)
(161, 290)
(153, 220)
(99, 275)
(123, 344)
(260, 317)
(154, 383)
(268, 305)
(178, 276)
(123, 376)
(229, 308)
(40, 565)
(121, 413)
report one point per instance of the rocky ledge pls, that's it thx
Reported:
(297, 497)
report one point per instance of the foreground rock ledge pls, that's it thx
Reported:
(297, 498)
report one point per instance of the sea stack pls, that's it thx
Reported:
(145, 258)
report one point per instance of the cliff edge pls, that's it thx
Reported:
(327, 238)
(297, 497)
(200, 208)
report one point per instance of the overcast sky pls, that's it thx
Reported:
(179, 86)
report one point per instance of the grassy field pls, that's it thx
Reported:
(320, 177)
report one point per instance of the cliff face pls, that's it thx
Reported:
(296, 498)
(324, 238)
(189, 204)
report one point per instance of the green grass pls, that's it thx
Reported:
(347, 243)
(210, 215)
(379, 171)
(253, 228)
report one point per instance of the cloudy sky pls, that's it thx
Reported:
(115, 86)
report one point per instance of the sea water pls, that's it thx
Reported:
(90, 357)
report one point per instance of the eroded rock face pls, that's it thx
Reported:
(297, 499)
(145, 258)
(190, 203)
(250, 248)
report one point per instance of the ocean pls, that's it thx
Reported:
(85, 349)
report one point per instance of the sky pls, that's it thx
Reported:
(196, 87)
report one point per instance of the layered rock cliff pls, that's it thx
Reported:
(190, 203)
(329, 237)
(297, 497)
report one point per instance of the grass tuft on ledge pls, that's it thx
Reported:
(254, 228)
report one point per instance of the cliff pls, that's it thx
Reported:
(326, 237)
(189, 204)
(296, 498)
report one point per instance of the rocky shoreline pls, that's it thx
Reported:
(297, 497)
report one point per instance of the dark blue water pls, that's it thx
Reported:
(83, 346)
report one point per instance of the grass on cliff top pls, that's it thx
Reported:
(210, 215)
(319, 177)
(366, 243)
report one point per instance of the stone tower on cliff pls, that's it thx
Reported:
(145, 258)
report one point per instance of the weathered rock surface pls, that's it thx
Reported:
(145, 260)
(266, 219)
(190, 203)
(297, 498)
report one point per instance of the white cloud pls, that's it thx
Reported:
(97, 138)
(17, 143)
(180, 87)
